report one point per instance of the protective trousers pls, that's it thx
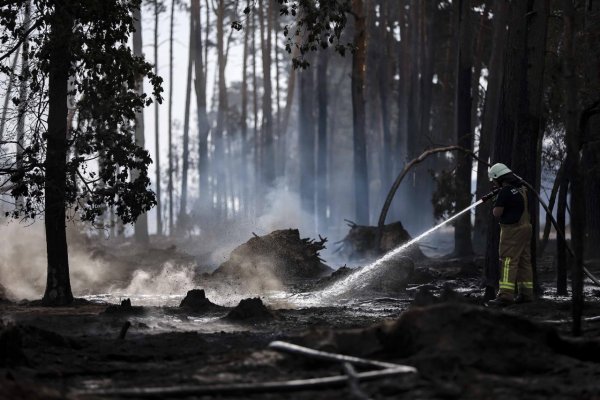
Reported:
(515, 257)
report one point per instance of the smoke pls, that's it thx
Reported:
(171, 280)
(281, 210)
(23, 263)
(99, 270)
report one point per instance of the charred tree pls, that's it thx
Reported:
(159, 227)
(201, 108)
(508, 110)
(322, 174)
(384, 80)
(361, 181)
(490, 119)
(464, 137)
(222, 108)
(244, 119)
(526, 157)
(58, 284)
(268, 153)
(306, 139)
(561, 248)
(181, 220)
(170, 118)
(573, 168)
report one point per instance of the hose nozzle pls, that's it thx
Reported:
(489, 195)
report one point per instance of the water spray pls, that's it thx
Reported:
(341, 286)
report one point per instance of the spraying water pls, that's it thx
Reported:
(354, 280)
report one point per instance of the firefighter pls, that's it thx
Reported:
(510, 208)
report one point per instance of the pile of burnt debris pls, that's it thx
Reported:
(282, 254)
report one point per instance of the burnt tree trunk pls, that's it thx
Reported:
(58, 285)
(512, 70)
(159, 227)
(222, 109)
(201, 109)
(384, 80)
(170, 119)
(322, 174)
(526, 158)
(561, 248)
(244, 120)
(462, 229)
(361, 181)
(490, 119)
(186, 124)
(268, 153)
(306, 139)
(573, 164)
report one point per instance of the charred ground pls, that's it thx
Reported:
(435, 322)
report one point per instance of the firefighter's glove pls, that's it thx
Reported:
(490, 195)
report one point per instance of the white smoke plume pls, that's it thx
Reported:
(23, 263)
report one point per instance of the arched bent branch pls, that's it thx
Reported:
(412, 163)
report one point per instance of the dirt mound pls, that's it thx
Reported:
(249, 310)
(361, 242)
(195, 300)
(281, 255)
(453, 335)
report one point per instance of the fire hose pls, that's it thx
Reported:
(554, 223)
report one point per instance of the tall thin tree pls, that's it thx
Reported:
(159, 226)
(361, 181)
(463, 130)
(170, 117)
(141, 225)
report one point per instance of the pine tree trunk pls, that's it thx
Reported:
(201, 109)
(170, 119)
(385, 82)
(182, 219)
(268, 165)
(306, 139)
(141, 225)
(573, 163)
(289, 101)
(244, 121)
(159, 227)
(561, 249)
(590, 122)
(463, 130)
(58, 285)
(507, 116)
(322, 173)
(527, 133)
(361, 180)
(23, 85)
(221, 110)
(256, 133)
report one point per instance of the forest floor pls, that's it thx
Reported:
(438, 324)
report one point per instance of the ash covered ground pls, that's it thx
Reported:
(426, 313)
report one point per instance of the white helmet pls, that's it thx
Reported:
(498, 170)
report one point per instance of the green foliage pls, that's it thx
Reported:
(104, 165)
(316, 24)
